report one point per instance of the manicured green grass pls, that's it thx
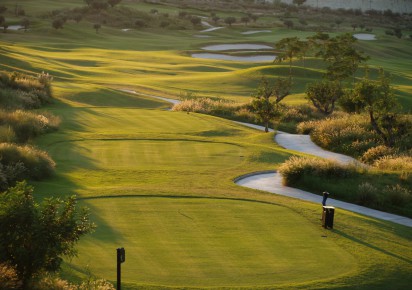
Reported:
(196, 242)
(160, 183)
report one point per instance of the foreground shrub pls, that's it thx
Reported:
(25, 161)
(8, 278)
(34, 237)
(55, 283)
(295, 168)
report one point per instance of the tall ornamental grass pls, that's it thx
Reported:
(23, 162)
(216, 107)
(348, 134)
(21, 126)
(21, 91)
(295, 169)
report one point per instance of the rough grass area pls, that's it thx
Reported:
(387, 192)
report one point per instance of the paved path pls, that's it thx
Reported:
(272, 181)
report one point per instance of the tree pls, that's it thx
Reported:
(97, 26)
(290, 47)
(230, 20)
(58, 23)
(378, 100)
(299, 2)
(288, 23)
(341, 55)
(195, 20)
(113, 3)
(262, 106)
(324, 95)
(215, 19)
(25, 23)
(245, 20)
(3, 9)
(254, 17)
(33, 236)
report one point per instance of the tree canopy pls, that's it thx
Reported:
(34, 237)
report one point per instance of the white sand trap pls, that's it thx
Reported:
(365, 36)
(247, 46)
(126, 29)
(211, 29)
(15, 27)
(256, 31)
(252, 58)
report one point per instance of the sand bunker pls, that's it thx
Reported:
(247, 46)
(251, 58)
(15, 27)
(211, 29)
(256, 31)
(365, 36)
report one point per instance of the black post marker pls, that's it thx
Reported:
(121, 257)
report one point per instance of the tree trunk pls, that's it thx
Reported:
(375, 126)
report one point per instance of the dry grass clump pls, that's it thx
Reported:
(394, 163)
(216, 107)
(21, 126)
(23, 162)
(348, 134)
(368, 195)
(60, 284)
(21, 91)
(295, 168)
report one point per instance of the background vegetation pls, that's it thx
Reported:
(160, 183)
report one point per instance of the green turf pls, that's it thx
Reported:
(155, 179)
(209, 242)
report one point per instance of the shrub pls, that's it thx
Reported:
(397, 195)
(398, 163)
(27, 125)
(37, 163)
(295, 168)
(8, 278)
(367, 194)
(348, 134)
(377, 152)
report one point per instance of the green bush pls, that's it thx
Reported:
(296, 168)
(25, 162)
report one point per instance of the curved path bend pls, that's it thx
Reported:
(271, 181)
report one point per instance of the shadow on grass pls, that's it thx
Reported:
(373, 247)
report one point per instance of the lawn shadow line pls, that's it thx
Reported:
(352, 238)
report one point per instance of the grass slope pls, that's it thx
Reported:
(160, 183)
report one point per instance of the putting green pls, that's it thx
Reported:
(197, 242)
